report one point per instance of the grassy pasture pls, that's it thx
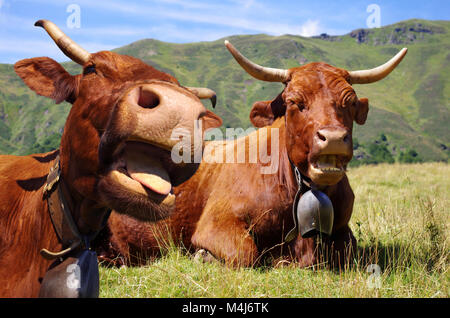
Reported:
(401, 222)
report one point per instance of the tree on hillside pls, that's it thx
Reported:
(409, 156)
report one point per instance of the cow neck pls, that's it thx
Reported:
(304, 184)
(62, 211)
(301, 179)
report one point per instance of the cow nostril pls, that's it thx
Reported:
(148, 99)
(321, 137)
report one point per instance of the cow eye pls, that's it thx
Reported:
(89, 69)
(349, 100)
(301, 106)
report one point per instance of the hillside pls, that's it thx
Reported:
(409, 109)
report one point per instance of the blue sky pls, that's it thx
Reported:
(105, 25)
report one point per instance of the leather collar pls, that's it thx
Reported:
(60, 208)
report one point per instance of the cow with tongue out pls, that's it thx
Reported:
(149, 172)
(115, 153)
(135, 149)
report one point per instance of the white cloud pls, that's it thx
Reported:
(239, 18)
(240, 15)
(115, 31)
(96, 47)
(17, 49)
(23, 48)
(175, 33)
(310, 28)
(166, 20)
(188, 4)
(14, 22)
(234, 14)
(245, 3)
(243, 23)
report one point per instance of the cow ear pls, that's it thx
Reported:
(265, 112)
(211, 120)
(362, 108)
(48, 78)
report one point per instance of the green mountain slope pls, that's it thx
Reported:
(410, 107)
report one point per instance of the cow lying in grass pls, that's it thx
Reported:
(238, 214)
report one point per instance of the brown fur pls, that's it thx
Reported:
(25, 225)
(241, 215)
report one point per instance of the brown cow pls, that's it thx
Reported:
(238, 213)
(114, 154)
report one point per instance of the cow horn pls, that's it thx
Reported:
(377, 73)
(204, 93)
(257, 71)
(72, 50)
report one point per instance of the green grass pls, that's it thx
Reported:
(401, 222)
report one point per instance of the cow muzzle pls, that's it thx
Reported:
(135, 150)
(331, 152)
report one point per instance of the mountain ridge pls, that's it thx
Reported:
(410, 107)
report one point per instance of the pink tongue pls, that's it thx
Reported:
(149, 172)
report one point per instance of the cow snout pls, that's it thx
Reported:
(153, 111)
(333, 141)
(135, 151)
(331, 152)
(162, 98)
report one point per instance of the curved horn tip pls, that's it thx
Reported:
(70, 48)
(402, 52)
(377, 73)
(39, 23)
(267, 74)
(400, 55)
(229, 46)
(203, 93)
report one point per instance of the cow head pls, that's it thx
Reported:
(319, 105)
(115, 148)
